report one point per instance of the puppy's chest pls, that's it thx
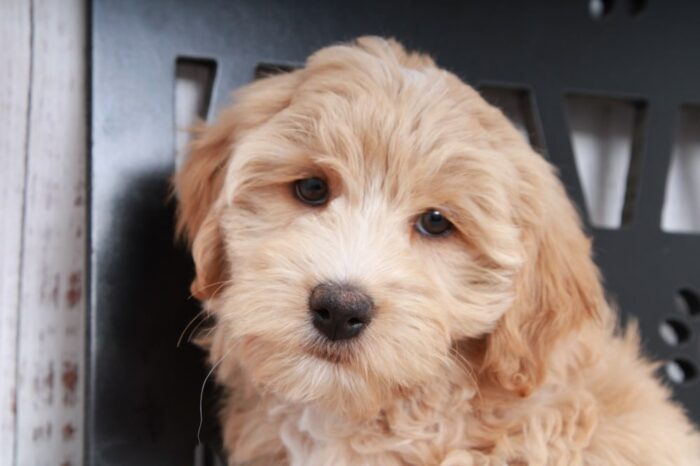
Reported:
(409, 434)
(418, 436)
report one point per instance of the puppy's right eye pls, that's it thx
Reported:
(433, 223)
(312, 191)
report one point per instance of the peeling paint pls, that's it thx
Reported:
(56, 289)
(68, 432)
(44, 385)
(74, 289)
(69, 380)
(41, 433)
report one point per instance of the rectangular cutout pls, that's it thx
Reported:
(194, 82)
(265, 69)
(607, 136)
(517, 104)
(681, 210)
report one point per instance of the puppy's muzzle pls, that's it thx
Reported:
(340, 311)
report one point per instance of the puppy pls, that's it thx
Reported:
(397, 278)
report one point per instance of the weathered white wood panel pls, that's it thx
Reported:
(15, 54)
(51, 323)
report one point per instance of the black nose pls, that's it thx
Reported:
(340, 311)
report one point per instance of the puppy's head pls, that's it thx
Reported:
(353, 221)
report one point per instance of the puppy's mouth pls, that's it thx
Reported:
(337, 352)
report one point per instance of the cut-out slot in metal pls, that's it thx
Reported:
(194, 82)
(636, 7)
(674, 332)
(680, 371)
(517, 104)
(607, 138)
(599, 9)
(688, 302)
(264, 69)
(681, 210)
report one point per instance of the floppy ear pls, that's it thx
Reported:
(200, 180)
(557, 290)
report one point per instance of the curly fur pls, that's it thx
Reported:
(492, 346)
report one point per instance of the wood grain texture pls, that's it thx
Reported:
(51, 324)
(14, 99)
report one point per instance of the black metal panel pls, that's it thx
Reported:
(143, 394)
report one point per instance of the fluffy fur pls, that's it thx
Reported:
(492, 346)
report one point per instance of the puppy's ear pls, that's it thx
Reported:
(199, 182)
(557, 290)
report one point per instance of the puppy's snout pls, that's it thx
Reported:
(340, 311)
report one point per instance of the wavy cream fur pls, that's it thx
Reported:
(493, 346)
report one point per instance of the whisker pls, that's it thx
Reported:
(201, 395)
(220, 285)
(210, 331)
(192, 320)
(194, 330)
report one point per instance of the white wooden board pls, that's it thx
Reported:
(42, 165)
(15, 56)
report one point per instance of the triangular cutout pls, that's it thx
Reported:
(606, 135)
(194, 83)
(517, 104)
(681, 211)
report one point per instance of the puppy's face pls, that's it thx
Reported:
(372, 220)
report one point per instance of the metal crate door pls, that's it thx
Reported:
(143, 394)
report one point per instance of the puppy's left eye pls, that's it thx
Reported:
(433, 223)
(312, 191)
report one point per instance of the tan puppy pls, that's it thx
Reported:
(397, 278)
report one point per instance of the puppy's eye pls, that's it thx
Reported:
(433, 223)
(312, 191)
